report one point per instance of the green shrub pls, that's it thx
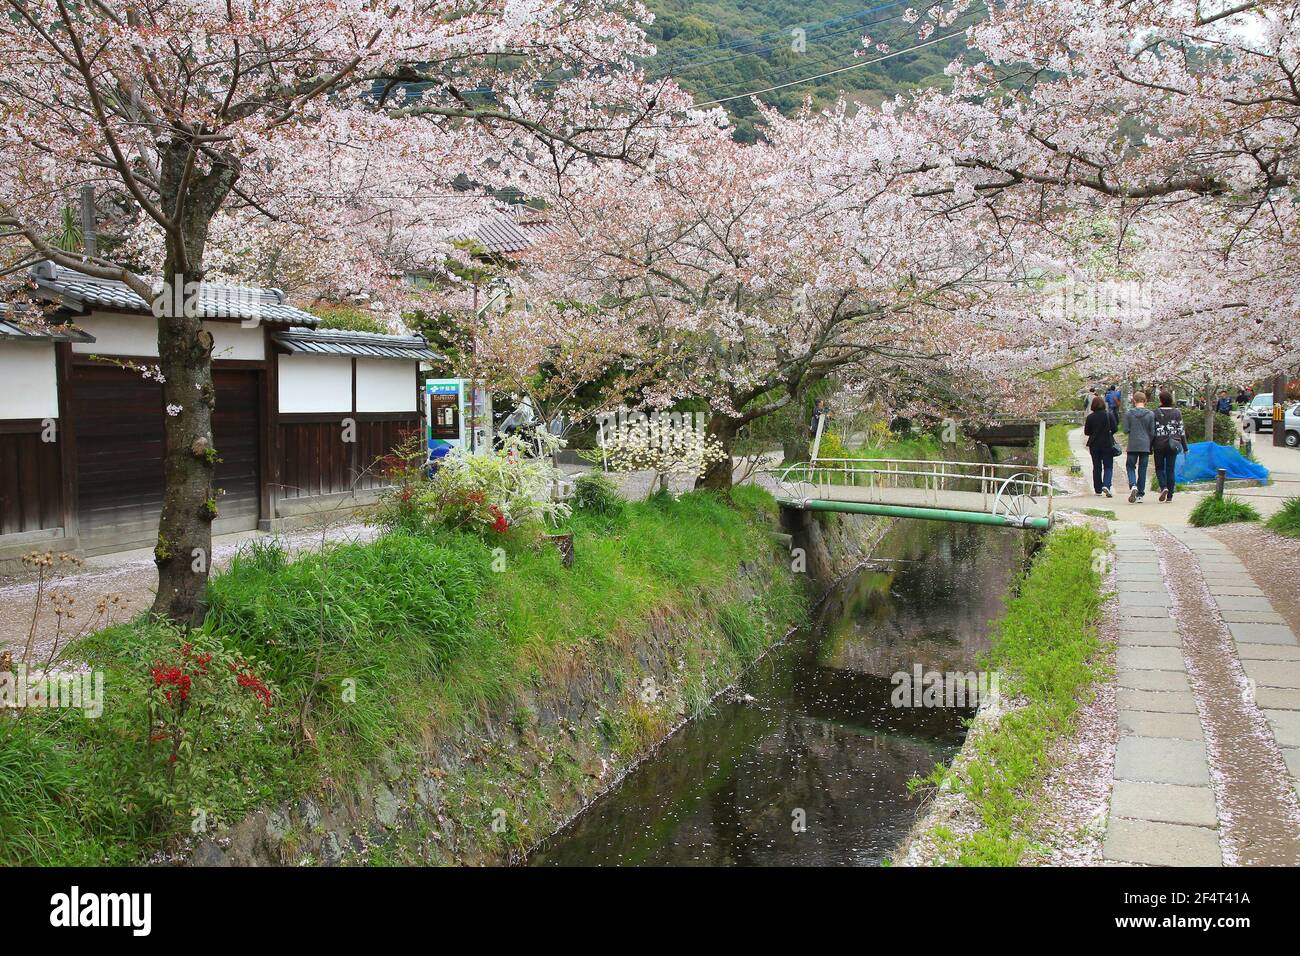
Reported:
(595, 493)
(1287, 521)
(350, 319)
(1212, 511)
(1225, 428)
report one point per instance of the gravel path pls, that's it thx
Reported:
(82, 598)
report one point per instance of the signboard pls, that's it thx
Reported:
(456, 415)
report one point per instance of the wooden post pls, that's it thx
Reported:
(66, 436)
(1042, 442)
(1218, 483)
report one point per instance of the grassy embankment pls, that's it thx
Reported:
(372, 650)
(1047, 650)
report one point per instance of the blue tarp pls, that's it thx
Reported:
(1204, 458)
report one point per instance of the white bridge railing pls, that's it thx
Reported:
(1003, 488)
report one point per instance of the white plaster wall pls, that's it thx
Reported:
(311, 383)
(385, 385)
(230, 340)
(28, 384)
(118, 334)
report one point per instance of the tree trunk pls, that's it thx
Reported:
(718, 475)
(1209, 413)
(190, 501)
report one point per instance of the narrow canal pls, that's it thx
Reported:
(813, 738)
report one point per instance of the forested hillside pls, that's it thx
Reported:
(721, 48)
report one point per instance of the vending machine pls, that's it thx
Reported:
(457, 414)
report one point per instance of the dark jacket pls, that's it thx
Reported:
(1140, 426)
(1099, 426)
(1169, 430)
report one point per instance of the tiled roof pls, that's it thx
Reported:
(509, 233)
(32, 326)
(361, 344)
(216, 300)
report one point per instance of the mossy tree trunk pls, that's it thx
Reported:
(184, 550)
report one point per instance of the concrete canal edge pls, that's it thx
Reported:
(487, 794)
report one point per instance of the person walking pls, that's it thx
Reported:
(820, 411)
(1114, 398)
(1140, 426)
(1170, 439)
(1099, 428)
(1224, 405)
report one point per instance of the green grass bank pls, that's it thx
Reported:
(1047, 651)
(445, 698)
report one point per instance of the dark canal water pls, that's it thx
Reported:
(819, 742)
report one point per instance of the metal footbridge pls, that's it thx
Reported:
(1009, 495)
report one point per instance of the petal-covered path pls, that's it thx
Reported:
(1208, 676)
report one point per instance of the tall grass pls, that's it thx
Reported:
(1056, 447)
(1213, 511)
(1287, 521)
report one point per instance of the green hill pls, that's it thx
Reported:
(721, 48)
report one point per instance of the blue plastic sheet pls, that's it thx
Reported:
(1205, 458)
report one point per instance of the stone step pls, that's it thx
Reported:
(1164, 802)
(1160, 844)
(1141, 723)
(1162, 760)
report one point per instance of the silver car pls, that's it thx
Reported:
(1258, 415)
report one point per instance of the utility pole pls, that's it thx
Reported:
(1279, 410)
(88, 238)
(1209, 409)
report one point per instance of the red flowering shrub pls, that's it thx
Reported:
(198, 696)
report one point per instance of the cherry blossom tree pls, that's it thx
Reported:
(747, 273)
(1174, 125)
(201, 123)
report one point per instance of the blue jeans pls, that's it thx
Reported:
(1103, 464)
(1165, 461)
(1136, 466)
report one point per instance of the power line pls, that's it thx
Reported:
(843, 69)
(827, 57)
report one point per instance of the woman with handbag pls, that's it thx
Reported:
(1099, 428)
(1170, 439)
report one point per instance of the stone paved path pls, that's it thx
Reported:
(1174, 797)
(1267, 648)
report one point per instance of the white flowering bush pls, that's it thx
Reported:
(671, 446)
(505, 487)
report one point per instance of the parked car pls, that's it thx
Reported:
(1292, 426)
(1258, 415)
